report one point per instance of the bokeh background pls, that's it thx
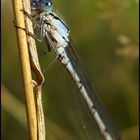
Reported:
(105, 34)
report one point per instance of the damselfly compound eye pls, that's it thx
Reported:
(46, 5)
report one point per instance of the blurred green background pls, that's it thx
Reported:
(105, 34)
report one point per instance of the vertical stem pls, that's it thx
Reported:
(39, 78)
(26, 70)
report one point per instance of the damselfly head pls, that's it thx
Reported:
(42, 5)
(46, 5)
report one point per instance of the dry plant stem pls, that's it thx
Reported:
(40, 115)
(37, 70)
(35, 66)
(26, 70)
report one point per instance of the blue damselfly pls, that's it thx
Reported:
(54, 29)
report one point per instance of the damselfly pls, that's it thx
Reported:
(56, 32)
